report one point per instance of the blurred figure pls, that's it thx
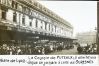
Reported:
(43, 51)
(87, 49)
(79, 49)
(94, 49)
(19, 51)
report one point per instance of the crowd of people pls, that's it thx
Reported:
(88, 49)
(27, 49)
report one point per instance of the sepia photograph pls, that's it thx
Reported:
(32, 27)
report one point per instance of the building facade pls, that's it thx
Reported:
(28, 20)
(86, 37)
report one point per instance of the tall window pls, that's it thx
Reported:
(41, 25)
(23, 20)
(14, 17)
(14, 4)
(55, 28)
(30, 24)
(3, 14)
(36, 23)
(52, 28)
(19, 18)
(45, 25)
(49, 27)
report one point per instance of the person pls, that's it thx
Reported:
(94, 49)
(10, 51)
(87, 49)
(79, 49)
(43, 51)
(19, 51)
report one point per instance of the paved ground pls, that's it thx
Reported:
(66, 52)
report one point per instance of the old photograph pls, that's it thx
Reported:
(31, 27)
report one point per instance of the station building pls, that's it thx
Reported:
(27, 21)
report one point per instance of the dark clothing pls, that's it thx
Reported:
(79, 49)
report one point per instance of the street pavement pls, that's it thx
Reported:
(66, 52)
